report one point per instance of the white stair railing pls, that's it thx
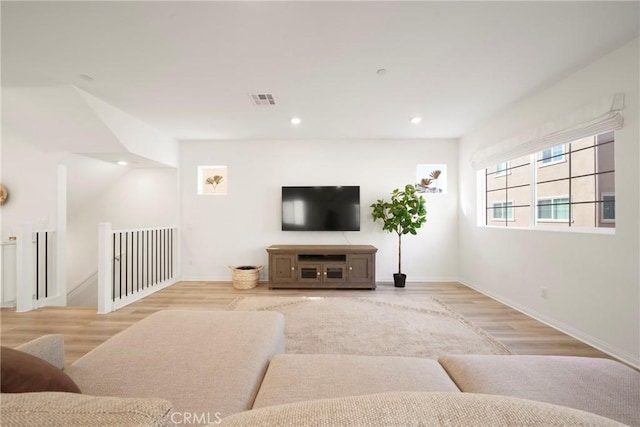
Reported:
(134, 263)
(8, 273)
(35, 269)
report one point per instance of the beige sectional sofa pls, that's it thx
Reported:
(208, 362)
(230, 368)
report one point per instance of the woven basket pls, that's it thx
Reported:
(246, 276)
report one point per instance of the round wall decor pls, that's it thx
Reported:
(4, 194)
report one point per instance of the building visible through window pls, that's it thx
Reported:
(553, 209)
(608, 208)
(502, 169)
(503, 211)
(552, 155)
(571, 185)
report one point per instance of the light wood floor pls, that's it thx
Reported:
(83, 329)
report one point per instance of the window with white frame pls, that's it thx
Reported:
(608, 208)
(553, 209)
(551, 155)
(502, 211)
(502, 169)
(575, 189)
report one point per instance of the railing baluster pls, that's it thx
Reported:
(145, 268)
(113, 270)
(131, 255)
(46, 264)
(159, 256)
(157, 260)
(37, 265)
(126, 264)
(137, 261)
(120, 258)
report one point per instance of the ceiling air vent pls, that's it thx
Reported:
(263, 99)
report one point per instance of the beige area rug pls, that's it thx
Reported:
(422, 327)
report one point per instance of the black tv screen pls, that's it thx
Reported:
(321, 208)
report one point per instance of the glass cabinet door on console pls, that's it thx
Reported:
(321, 272)
(309, 273)
(334, 272)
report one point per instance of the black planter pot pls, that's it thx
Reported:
(399, 280)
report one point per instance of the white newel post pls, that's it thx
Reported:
(105, 260)
(61, 238)
(25, 286)
(177, 244)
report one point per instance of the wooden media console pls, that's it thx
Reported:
(322, 266)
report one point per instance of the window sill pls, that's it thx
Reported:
(501, 174)
(557, 162)
(581, 230)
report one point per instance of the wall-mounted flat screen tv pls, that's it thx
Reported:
(321, 208)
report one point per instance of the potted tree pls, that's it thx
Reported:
(404, 214)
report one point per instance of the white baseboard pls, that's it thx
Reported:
(420, 280)
(205, 279)
(605, 347)
(390, 280)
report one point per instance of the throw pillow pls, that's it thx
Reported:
(22, 373)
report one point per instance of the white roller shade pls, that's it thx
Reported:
(592, 119)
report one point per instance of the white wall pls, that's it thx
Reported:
(68, 119)
(30, 175)
(592, 279)
(87, 178)
(97, 192)
(35, 185)
(136, 136)
(218, 231)
(140, 198)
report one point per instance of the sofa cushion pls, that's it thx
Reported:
(601, 386)
(417, 409)
(47, 347)
(296, 377)
(204, 362)
(68, 409)
(22, 372)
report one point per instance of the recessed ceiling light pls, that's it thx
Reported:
(295, 120)
(381, 72)
(123, 163)
(416, 120)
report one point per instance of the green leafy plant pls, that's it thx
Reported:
(404, 214)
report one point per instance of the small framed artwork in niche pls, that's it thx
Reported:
(432, 178)
(212, 180)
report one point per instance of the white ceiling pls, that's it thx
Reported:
(187, 68)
